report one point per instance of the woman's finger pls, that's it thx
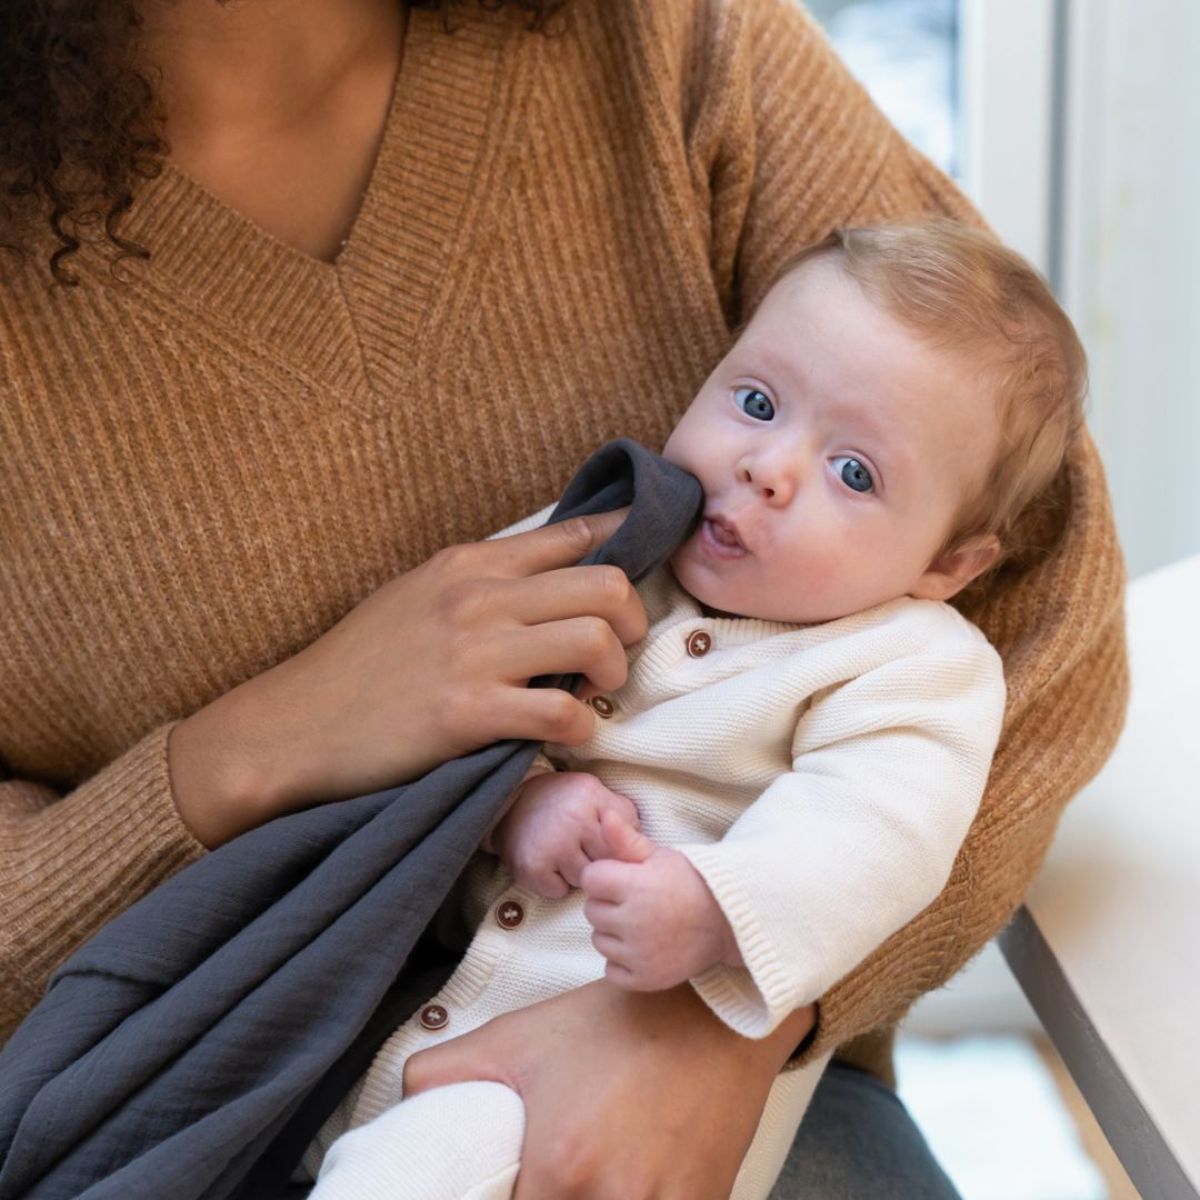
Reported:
(601, 591)
(534, 714)
(552, 546)
(586, 645)
(454, 1061)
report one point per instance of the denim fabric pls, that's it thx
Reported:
(859, 1143)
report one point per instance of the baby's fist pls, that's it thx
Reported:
(652, 915)
(553, 830)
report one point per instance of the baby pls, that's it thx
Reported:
(806, 730)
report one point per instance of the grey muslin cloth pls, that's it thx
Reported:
(193, 1046)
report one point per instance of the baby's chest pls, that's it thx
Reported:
(708, 716)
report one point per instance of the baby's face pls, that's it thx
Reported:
(835, 449)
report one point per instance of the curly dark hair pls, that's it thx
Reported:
(81, 123)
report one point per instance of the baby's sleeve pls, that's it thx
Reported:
(860, 836)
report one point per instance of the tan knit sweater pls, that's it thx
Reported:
(208, 464)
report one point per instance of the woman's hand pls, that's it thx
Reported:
(431, 665)
(628, 1096)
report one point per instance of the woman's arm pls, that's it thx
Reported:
(70, 863)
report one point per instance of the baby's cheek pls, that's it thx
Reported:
(857, 573)
(820, 582)
(824, 566)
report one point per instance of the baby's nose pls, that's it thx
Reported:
(774, 481)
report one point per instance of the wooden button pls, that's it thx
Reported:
(603, 705)
(699, 643)
(509, 914)
(434, 1016)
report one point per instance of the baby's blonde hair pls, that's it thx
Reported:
(965, 292)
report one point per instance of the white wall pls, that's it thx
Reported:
(1006, 68)
(1081, 127)
(1131, 257)
(1080, 136)
(1082, 148)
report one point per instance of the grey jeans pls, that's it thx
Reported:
(859, 1143)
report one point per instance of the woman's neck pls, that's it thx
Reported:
(253, 68)
(278, 107)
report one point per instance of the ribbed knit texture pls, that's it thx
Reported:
(208, 462)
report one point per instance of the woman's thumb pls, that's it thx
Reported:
(624, 841)
(605, 524)
(459, 1060)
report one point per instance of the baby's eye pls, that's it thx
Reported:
(853, 474)
(754, 403)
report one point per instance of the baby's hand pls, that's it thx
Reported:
(552, 830)
(652, 914)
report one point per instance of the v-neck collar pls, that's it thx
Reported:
(230, 270)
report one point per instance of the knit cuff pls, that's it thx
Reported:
(78, 862)
(752, 1000)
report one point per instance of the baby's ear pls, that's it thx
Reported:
(952, 570)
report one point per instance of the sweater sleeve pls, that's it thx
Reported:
(783, 145)
(70, 863)
(861, 835)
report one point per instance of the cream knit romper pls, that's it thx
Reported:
(842, 765)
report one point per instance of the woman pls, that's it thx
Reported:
(390, 287)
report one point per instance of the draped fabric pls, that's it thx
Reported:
(190, 1049)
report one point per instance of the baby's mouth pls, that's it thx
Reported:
(723, 533)
(720, 538)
